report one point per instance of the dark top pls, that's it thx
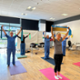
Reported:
(23, 39)
(69, 43)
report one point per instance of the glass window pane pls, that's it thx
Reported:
(15, 25)
(6, 27)
(18, 28)
(14, 28)
(0, 34)
(3, 35)
(3, 43)
(1, 23)
(0, 27)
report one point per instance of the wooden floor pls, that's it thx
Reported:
(33, 63)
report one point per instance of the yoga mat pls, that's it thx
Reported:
(20, 56)
(17, 69)
(77, 64)
(50, 60)
(49, 73)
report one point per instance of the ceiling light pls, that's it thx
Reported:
(33, 8)
(52, 18)
(79, 8)
(64, 14)
(24, 14)
(29, 7)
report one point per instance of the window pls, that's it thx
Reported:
(3, 35)
(0, 27)
(4, 23)
(16, 25)
(0, 34)
(6, 27)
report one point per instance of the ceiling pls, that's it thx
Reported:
(45, 9)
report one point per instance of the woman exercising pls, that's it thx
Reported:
(23, 44)
(24, 37)
(10, 46)
(58, 54)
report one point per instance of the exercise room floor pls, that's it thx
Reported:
(33, 63)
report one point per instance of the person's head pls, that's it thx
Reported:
(11, 33)
(47, 36)
(58, 35)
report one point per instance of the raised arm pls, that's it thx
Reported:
(28, 34)
(65, 35)
(3, 30)
(19, 37)
(52, 33)
(44, 34)
(68, 37)
(19, 31)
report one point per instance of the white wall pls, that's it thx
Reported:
(75, 27)
(36, 37)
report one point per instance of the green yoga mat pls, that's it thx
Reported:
(43, 37)
(20, 56)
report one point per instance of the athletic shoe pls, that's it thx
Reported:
(56, 77)
(60, 77)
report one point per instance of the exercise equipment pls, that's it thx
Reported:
(33, 46)
(41, 45)
(18, 69)
(29, 36)
(50, 60)
(36, 46)
(36, 53)
(49, 74)
(22, 35)
(18, 55)
(70, 32)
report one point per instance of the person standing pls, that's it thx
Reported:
(46, 46)
(10, 45)
(58, 53)
(23, 44)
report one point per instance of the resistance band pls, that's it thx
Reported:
(22, 35)
(29, 36)
(70, 32)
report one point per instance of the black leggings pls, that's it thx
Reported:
(58, 61)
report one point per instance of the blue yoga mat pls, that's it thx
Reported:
(50, 60)
(70, 32)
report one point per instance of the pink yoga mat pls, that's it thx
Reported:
(49, 73)
(77, 64)
(17, 69)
